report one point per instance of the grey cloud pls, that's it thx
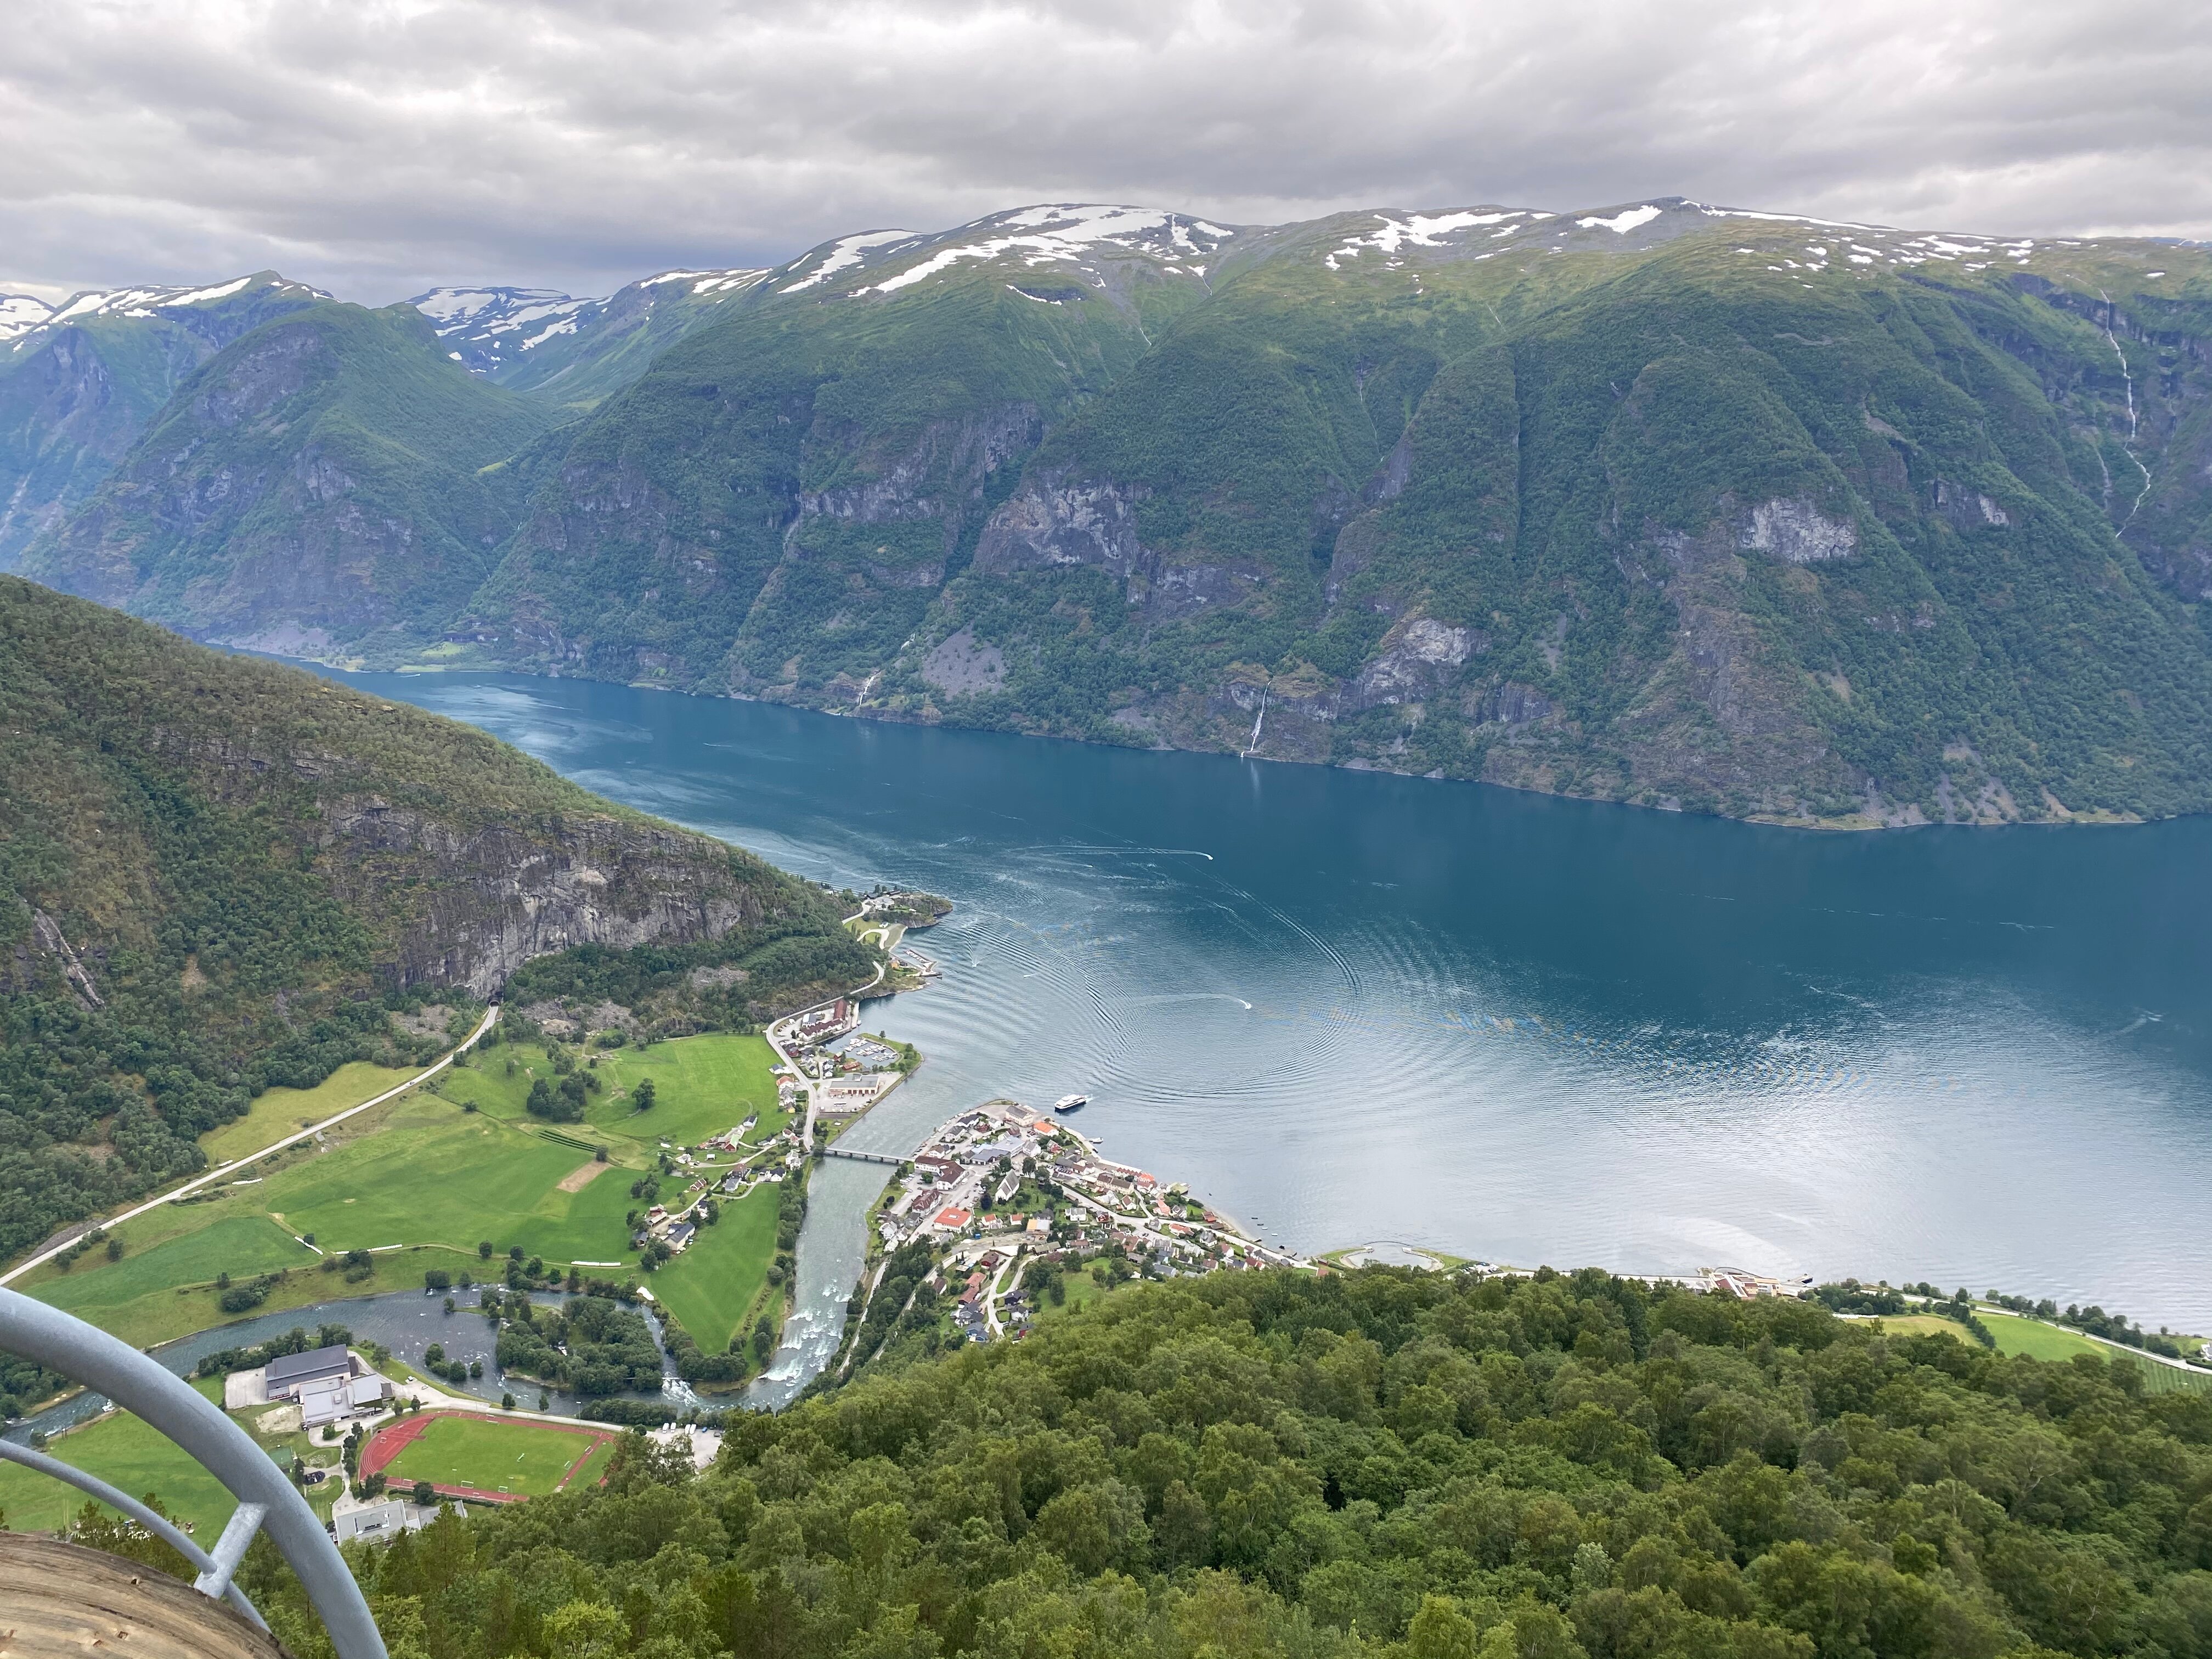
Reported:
(375, 149)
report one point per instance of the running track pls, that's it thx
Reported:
(388, 1442)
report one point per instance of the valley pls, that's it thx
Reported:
(1668, 503)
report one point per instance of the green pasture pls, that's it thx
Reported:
(516, 1456)
(437, 1176)
(126, 1453)
(104, 1291)
(702, 1085)
(711, 1289)
(2036, 1339)
(278, 1112)
(423, 1173)
(1923, 1325)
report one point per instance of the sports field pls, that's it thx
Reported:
(487, 1457)
(712, 1288)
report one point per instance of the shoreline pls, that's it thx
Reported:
(1853, 823)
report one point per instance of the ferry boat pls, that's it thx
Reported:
(1071, 1102)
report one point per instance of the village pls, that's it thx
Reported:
(1003, 1185)
(821, 1062)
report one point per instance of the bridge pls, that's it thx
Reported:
(862, 1158)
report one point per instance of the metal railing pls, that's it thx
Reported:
(267, 1500)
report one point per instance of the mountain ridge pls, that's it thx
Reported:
(1659, 500)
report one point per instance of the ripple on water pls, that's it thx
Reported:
(1504, 1026)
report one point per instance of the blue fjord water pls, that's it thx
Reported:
(1347, 1006)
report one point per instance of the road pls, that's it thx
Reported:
(806, 1132)
(292, 1139)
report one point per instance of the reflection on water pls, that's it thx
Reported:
(1500, 1025)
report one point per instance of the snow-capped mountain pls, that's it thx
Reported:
(1076, 239)
(25, 321)
(484, 329)
(21, 312)
(535, 339)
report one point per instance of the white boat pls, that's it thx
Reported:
(1071, 1102)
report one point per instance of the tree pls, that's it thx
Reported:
(424, 1493)
(540, 1103)
(437, 1278)
(641, 1098)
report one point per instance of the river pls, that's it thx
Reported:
(1347, 1006)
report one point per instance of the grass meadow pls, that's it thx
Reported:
(715, 1288)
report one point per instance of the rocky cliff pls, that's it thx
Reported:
(217, 874)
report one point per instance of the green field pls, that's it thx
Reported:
(516, 1456)
(239, 1245)
(711, 1289)
(438, 1176)
(125, 1452)
(2038, 1341)
(423, 1173)
(702, 1085)
(277, 1112)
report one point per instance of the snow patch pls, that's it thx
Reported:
(1621, 223)
(1416, 230)
(1062, 232)
(21, 312)
(201, 296)
(845, 253)
(146, 302)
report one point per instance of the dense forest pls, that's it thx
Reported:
(1381, 1464)
(218, 875)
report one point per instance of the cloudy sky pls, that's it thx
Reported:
(377, 147)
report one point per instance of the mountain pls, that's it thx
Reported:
(575, 351)
(328, 478)
(81, 381)
(1658, 501)
(775, 504)
(216, 874)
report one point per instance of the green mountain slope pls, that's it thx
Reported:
(327, 477)
(1665, 505)
(80, 388)
(773, 507)
(1669, 504)
(1382, 1465)
(216, 873)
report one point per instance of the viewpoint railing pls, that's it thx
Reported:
(267, 1500)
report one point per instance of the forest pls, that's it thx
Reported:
(1379, 1463)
